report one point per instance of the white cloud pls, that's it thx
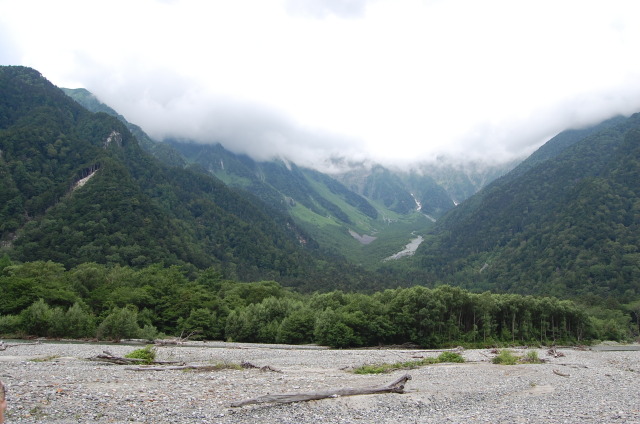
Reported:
(393, 81)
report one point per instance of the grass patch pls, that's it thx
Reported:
(147, 355)
(385, 367)
(450, 357)
(45, 359)
(531, 358)
(219, 366)
(507, 357)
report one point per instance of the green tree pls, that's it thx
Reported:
(36, 319)
(121, 323)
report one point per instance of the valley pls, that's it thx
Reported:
(159, 216)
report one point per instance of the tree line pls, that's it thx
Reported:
(96, 301)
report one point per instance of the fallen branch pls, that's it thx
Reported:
(176, 340)
(249, 365)
(4, 346)
(556, 372)
(109, 357)
(396, 386)
(554, 352)
(176, 367)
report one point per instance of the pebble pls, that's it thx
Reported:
(67, 388)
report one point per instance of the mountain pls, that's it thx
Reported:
(366, 214)
(76, 187)
(565, 222)
(160, 151)
(340, 220)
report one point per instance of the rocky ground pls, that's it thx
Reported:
(55, 383)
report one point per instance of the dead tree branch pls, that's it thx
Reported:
(396, 386)
(176, 367)
(109, 357)
(249, 365)
(176, 340)
(5, 346)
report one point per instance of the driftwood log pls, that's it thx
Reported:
(174, 367)
(244, 364)
(109, 357)
(396, 386)
(4, 346)
(556, 372)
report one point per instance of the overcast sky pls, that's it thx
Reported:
(395, 81)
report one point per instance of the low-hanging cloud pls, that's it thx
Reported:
(327, 82)
(170, 106)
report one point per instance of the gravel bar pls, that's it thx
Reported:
(55, 383)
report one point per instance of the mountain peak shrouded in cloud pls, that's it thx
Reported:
(391, 82)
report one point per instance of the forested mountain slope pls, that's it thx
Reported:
(361, 229)
(131, 210)
(567, 225)
(366, 214)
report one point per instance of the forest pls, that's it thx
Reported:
(148, 249)
(94, 301)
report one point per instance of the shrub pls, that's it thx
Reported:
(10, 325)
(450, 357)
(505, 357)
(149, 333)
(531, 358)
(147, 355)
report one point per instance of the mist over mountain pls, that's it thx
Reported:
(76, 187)
(563, 222)
(368, 202)
(84, 187)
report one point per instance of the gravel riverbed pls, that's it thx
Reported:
(55, 383)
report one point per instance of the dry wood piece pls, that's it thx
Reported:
(554, 352)
(177, 367)
(396, 386)
(249, 365)
(4, 346)
(109, 357)
(556, 372)
(182, 339)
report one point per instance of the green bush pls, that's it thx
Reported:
(149, 333)
(10, 325)
(450, 357)
(505, 357)
(147, 355)
(531, 358)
